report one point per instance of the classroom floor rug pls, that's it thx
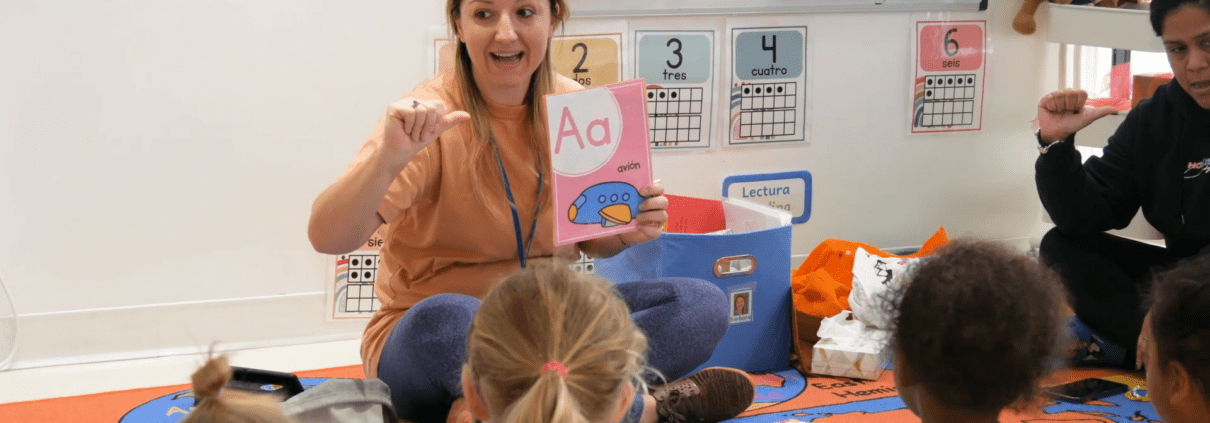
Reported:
(164, 404)
(788, 397)
(781, 397)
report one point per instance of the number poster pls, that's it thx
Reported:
(593, 60)
(947, 94)
(768, 85)
(441, 52)
(600, 157)
(679, 69)
(352, 291)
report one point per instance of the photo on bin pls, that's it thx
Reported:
(741, 305)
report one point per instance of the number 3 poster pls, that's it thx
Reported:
(678, 67)
(951, 63)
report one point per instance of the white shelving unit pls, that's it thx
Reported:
(1124, 29)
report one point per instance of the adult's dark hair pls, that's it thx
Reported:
(1160, 9)
(1180, 318)
(977, 324)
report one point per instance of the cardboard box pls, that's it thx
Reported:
(803, 339)
(1145, 85)
(849, 348)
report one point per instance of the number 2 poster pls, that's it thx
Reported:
(951, 63)
(589, 52)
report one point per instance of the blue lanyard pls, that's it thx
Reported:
(522, 248)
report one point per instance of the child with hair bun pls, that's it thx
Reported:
(975, 327)
(218, 405)
(1176, 343)
(550, 345)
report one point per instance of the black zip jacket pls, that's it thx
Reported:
(1159, 159)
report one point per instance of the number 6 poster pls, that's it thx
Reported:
(951, 62)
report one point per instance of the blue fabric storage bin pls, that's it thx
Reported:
(754, 265)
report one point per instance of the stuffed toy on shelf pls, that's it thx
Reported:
(1025, 24)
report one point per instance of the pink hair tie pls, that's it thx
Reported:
(556, 366)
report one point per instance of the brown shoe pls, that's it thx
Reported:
(709, 396)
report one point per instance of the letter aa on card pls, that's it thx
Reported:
(601, 157)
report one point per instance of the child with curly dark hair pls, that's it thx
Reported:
(1176, 342)
(975, 327)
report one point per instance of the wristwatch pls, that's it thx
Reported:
(1043, 147)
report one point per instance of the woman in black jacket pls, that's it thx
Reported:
(1158, 159)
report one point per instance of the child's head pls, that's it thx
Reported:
(550, 345)
(218, 405)
(975, 327)
(1178, 345)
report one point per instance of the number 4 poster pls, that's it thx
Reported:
(951, 63)
(768, 85)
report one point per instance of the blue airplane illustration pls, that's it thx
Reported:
(606, 203)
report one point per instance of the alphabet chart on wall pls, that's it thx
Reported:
(678, 67)
(768, 85)
(352, 291)
(947, 92)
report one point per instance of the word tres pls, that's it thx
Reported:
(679, 76)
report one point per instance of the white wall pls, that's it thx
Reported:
(158, 159)
(874, 182)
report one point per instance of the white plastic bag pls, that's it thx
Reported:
(872, 276)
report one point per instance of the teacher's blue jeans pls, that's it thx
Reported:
(683, 318)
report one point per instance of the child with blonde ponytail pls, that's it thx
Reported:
(549, 345)
(217, 405)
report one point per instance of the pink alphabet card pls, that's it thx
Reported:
(600, 157)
